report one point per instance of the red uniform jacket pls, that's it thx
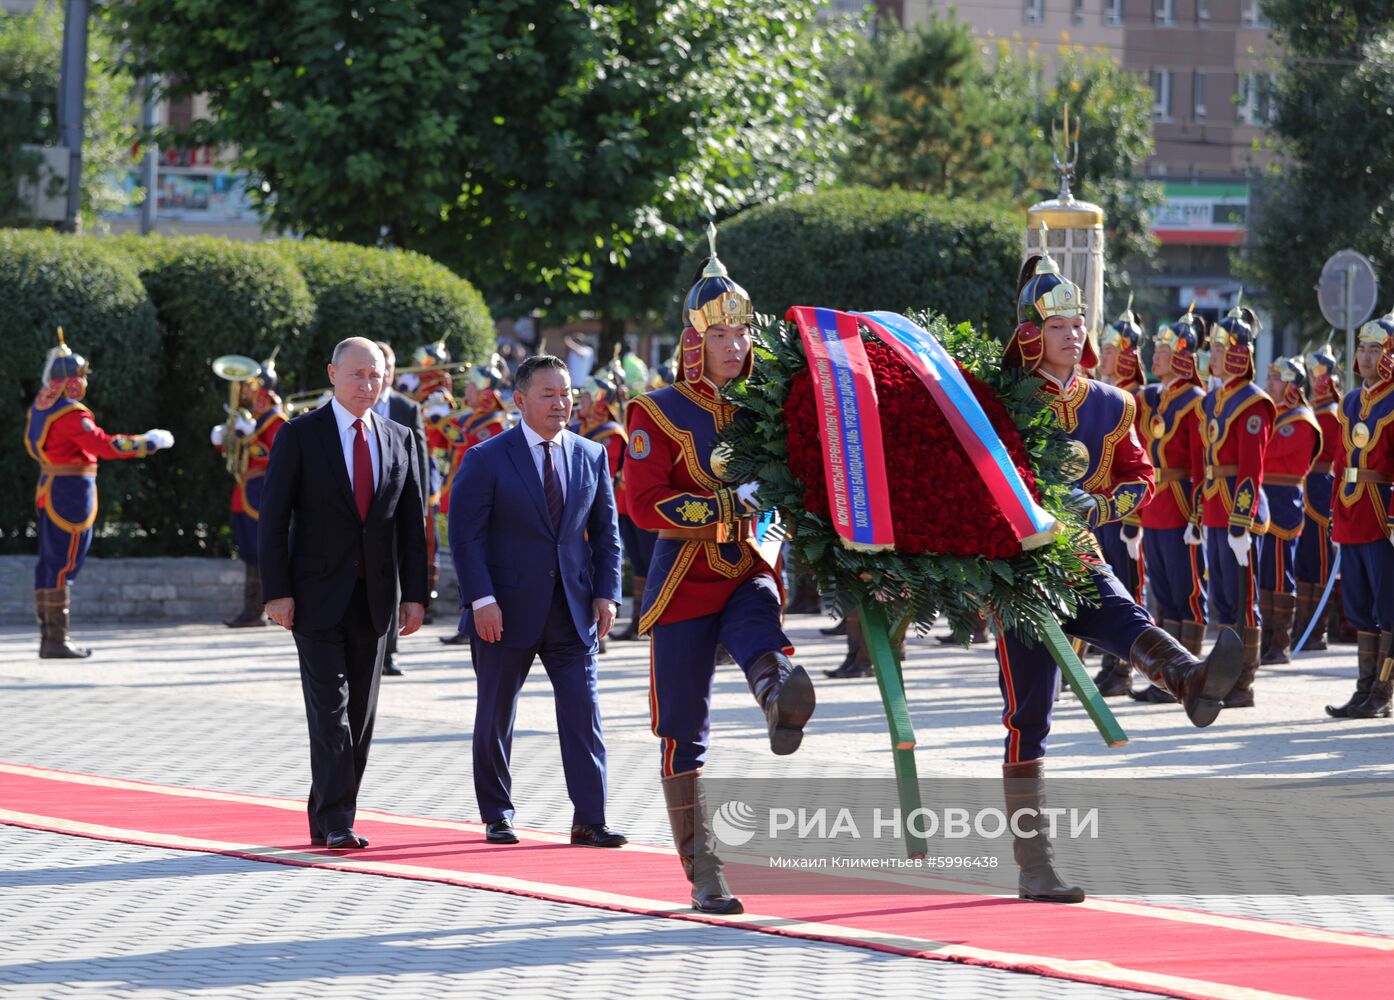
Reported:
(1169, 420)
(462, 432)
(1361, 510)
(1238, 422)
(1292, 449)
(258, 458)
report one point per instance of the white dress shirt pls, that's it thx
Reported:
(348, 435)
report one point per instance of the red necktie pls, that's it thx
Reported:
(362, 470)
(551, 487)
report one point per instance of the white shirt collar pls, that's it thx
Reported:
(534, 439)
(345, 419)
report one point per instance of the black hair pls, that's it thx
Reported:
(523, 377)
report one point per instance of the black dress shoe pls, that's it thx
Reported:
(458, 639)
(390, 669)
(316, 840)
(344, 840)
(500, 832)
(597, 835)
(839, 629)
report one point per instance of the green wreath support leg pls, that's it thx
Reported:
(892, 684)
(1082, 685)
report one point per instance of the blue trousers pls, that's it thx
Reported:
(1175, 573)
(1226, 578)
(638, 545)
(1115, 551)
(1277, 564)
(500, 671)
(1314, 548)
(65, 530)
(1367, 585)
(682, 667)
(1028, 675)
(244, 536)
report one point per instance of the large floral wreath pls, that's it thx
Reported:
(955, 554)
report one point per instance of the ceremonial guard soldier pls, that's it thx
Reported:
(430, 386)
(1314, 548)
(707, 583)
(599, 409)
(1121, 541)
(1234, 512)
(1169, 414)
(638, 542)
(245, 440)
(1292, 449)
(1111, 478)
(1362, 520)
(63, 437)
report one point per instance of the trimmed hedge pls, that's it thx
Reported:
(94, 293)
(860, 248)
(397, 296)
(152, 313)
(213, 297)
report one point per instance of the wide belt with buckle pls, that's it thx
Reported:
(1282, 479)
(719, 532)
(1320, 469)
(1220, 471)
(71, 469)
(1366, 476)
(1172, 475)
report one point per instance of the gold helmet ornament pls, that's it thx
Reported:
(1234, 337)
(1042, 293)
(713, 300)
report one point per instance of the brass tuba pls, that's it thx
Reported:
(235, 369)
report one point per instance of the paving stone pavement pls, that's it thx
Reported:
(221, 709)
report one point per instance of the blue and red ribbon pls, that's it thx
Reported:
(940, 374)
(849, 427)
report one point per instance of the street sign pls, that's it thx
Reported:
(1347, 270)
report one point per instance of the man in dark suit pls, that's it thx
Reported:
(536, 545)
(394, 406)
(341, 527)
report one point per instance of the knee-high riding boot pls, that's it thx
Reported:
(692, 835)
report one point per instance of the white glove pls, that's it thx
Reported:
(408, 381)
(159, 439)
(1239, 544)
(1133, 542)
(746, 493)
(245, 425)
(436, 410)
(1192, 535)
(216, 435)
(1391, 536)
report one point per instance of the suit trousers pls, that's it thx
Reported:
(339, 672)
(683, 667)
(1029, 676)
(500, 672)
(1367, 585)
(1277, 564)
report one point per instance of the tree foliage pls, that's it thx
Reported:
(1333, 109)
(526, 144)
(31, 45)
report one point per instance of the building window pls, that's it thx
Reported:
(1255, 98)
(1161, 95)
(1079, 12)
(1251, 14)
(1198, 95)
(1034, 11)
(1113, 13)
(1165, 12)
(1202, 11)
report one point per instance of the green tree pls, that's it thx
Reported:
(1332, 108)
(526, 144)
(926, 117)
(30, 56)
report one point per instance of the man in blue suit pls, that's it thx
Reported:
(536, 545)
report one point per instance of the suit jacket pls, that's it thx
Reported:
(407, 412)
(310, 530)
(502, 541)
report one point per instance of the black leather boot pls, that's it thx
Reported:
(253, 613)
(1200, 685)
(1376, 706)
(1279, 647)
(1115, 678)
(692, 835)
(51, 608)
(1023, 787)
(1308, 594)
(858, 660)
(785, 693)
(1367, 647)
(631, 631)
(1265, 614)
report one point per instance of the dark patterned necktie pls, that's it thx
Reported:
(551, 486)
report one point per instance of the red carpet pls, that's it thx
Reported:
(1153, 949)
